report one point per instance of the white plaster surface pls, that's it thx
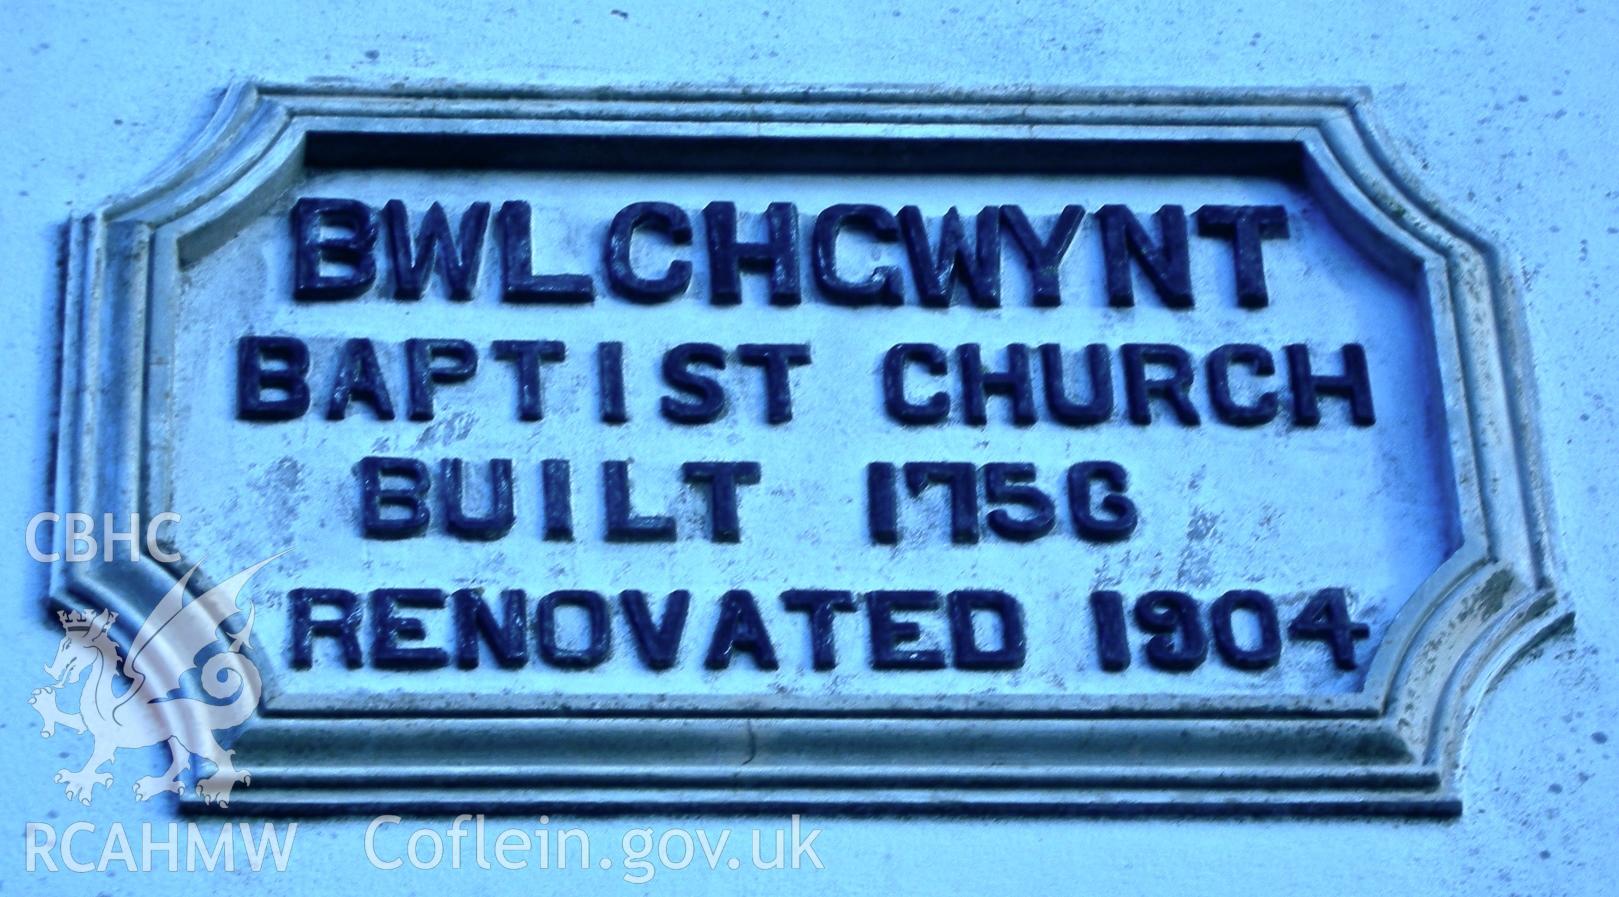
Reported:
(1503, 108)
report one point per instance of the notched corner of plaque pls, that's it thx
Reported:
(1506, 599)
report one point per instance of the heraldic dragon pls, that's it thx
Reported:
(163, 658)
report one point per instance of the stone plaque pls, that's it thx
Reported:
(1097, 452)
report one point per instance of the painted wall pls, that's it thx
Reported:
(1506, 109)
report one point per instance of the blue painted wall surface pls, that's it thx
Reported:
(1507, 109)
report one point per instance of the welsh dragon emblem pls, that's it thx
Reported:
(136, 702)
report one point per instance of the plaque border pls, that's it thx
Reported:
(1392, 748)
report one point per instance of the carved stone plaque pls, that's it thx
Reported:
(1102, 452)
